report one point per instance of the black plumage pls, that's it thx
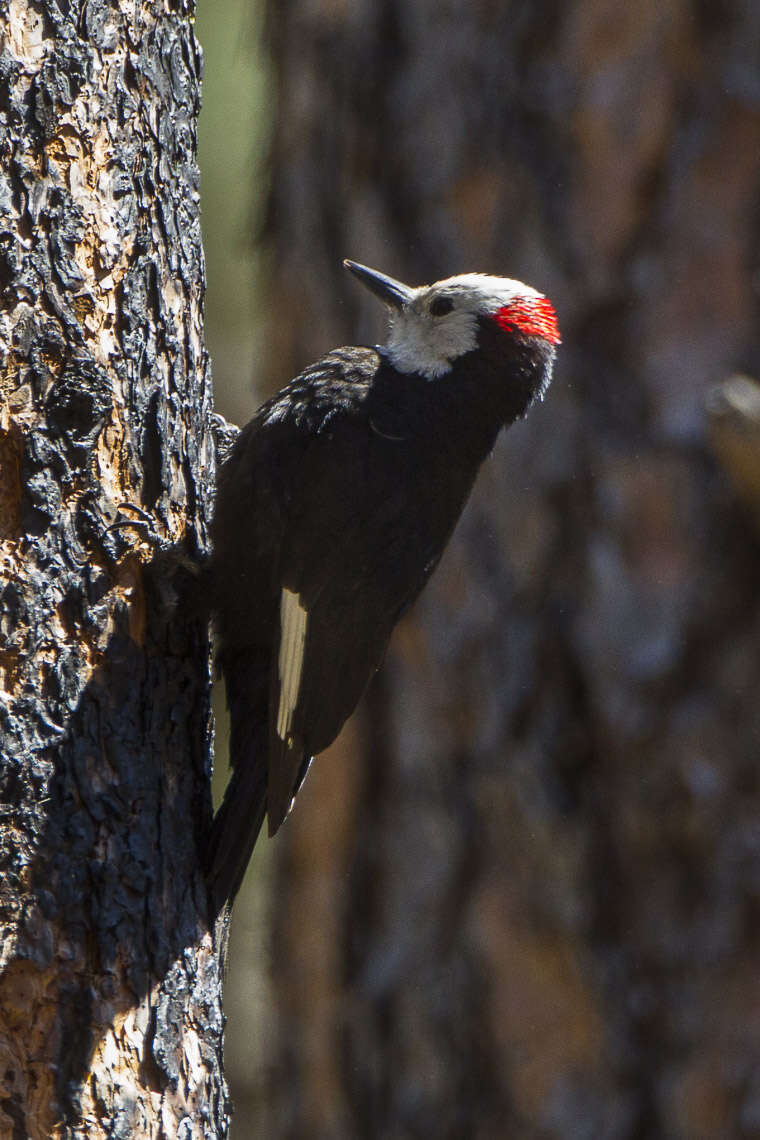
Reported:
(332, 510)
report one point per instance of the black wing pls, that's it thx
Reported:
(332, 510)
(364, 531)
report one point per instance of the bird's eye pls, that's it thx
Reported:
(440, 306)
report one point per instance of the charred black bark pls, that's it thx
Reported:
(110, 1018)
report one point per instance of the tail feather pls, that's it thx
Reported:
(234, 833)
(238, 821)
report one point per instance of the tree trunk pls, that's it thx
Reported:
(110, 1019)
(520, 898)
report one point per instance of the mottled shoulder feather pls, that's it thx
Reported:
(339, 381)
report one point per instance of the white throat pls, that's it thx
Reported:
(418, 343)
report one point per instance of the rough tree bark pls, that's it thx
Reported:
(521, 898)
(110, 1019)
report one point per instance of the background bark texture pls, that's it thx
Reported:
(521, 898)
(110, 1020)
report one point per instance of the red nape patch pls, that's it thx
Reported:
(532, 316)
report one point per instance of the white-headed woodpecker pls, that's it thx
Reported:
(332, 511)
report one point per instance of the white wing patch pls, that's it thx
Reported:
(293, 622)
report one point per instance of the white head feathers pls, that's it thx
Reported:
(440, 322)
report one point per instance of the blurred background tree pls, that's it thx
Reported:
(233, 133)
(520, 897)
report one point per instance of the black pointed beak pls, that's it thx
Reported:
(392, 292)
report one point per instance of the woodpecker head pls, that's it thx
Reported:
(433, 326)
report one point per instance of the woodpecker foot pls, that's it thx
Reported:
(225, 435)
